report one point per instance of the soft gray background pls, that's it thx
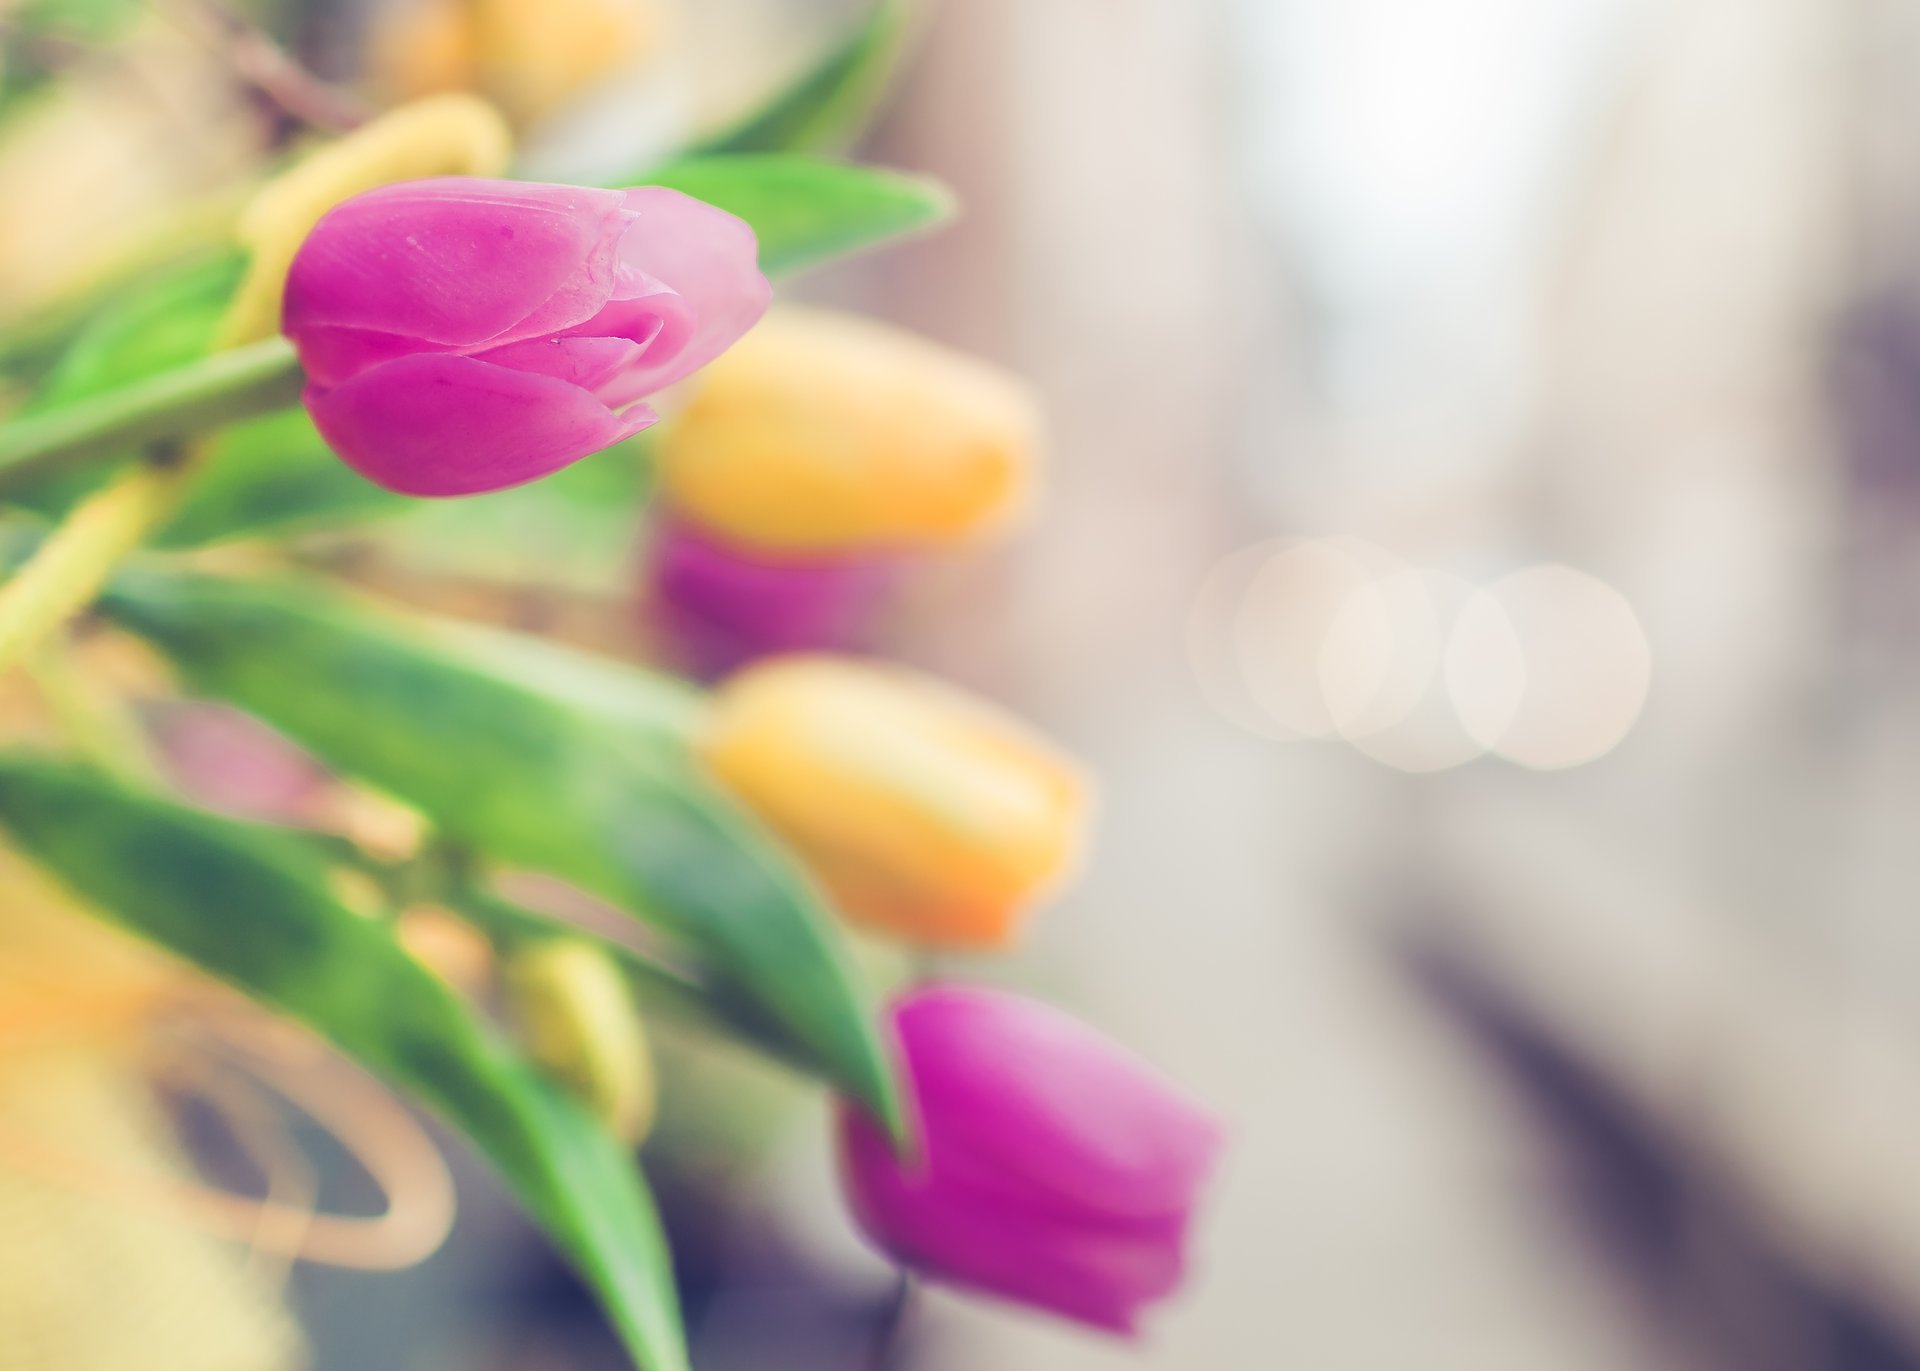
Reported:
(1608, 1067)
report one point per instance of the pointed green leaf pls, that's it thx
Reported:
(168, 320)
(542, 759)
(825, 108)
(249, 905)
(808, 212)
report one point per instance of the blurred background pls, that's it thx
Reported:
(1478, 564)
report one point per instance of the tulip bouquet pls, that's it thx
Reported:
(395, 318)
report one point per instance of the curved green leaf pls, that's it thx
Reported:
(825, 108)
(249, 905)
(808, 212)
(535, 765)
(168, 320)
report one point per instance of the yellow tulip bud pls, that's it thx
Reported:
(822, 433)
(529, 56)
(444, 135)
(928, 815)
(581, 1024)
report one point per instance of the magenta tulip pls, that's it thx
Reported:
(465, 335)
(1053, 1168)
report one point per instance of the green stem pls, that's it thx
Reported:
(64, 573)
(890, 1337)
(223, 388)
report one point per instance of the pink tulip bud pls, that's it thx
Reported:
(1053, 1168)
(464, 335)
(232, 763)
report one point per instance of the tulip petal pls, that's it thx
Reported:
(1079, 1120)
(660, 320)
(403, 261)
(1052, 1168)
(1075, 1264)
(593, 364)
(723, 606)
(438, 425)
(705, 256)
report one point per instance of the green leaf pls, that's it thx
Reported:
(807, 212)
(561, 533)
(552, 761)
(825, 108)
(166, 322)
(660, 989)
(250, 906)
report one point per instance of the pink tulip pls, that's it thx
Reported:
(1053, 1168)
(465, 335)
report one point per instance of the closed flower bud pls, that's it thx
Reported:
(581, 1024)
(231, 762)
(466, 335)
(1051, 1168)
(928, 815)
(720, 605)
(825, 434)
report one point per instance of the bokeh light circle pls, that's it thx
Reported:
(1549, 667)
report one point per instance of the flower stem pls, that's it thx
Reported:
(219, 389)
(67, 570)
(890, 1338)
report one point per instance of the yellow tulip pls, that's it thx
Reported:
(825, 433)
(581, 1024)
(528, 56)
(929, 816)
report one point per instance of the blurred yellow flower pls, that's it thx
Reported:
(51, 952)
(582, 1025)
(929, 815)
(87, 1282)
(824, 433)
(528, 56)
(134, 152)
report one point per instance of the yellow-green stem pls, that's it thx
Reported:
(65, 572)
